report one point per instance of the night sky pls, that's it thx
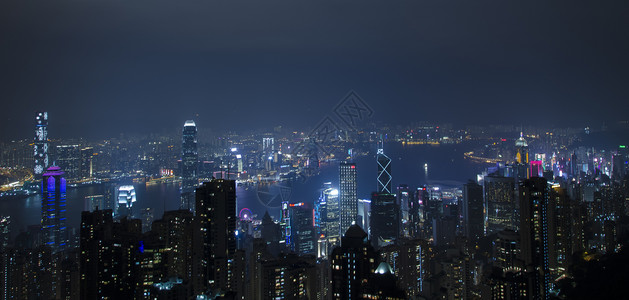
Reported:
(105, 67)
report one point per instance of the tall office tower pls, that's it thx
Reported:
(347, 195)
(126, 199)
(41, 142)
(560, 230)
(534, 198)
(521, 159)
(404, 198)
(472, 211)
(384, 171)
(329, 214)
(574, 163)
(87, 165)
(416, 213)
(302, 228)
(216, 210)
(268, 145)
(352, 263)
(53, 213)
(522, 150)
(364, 213)
(189, 168)
(384, 221)
(68, 158)
(109, 252)
(501, 208)
(431, 205)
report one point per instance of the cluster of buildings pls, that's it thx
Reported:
(512, 233)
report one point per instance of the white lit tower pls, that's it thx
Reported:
(126, 199)
(189, 163)
(41, 142)
(348, 197)
(384, 170)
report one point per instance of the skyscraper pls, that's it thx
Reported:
(348, 194)
(189, 162)
(404, 202)
(126, 199)
(522, 150)
(472, 210)
(328, 214)
(521, 158)
(384, 221)
(86, 168)
(384, 171)
(302, 228)
(500, 203)
(216, 211)
(41, 142)
(53, 209)
(68, 158)
(534, 201)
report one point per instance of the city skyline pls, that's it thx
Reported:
(323, 150)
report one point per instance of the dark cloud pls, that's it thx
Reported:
(103, 67)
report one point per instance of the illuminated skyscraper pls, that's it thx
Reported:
(189, 162)
(87, 155)
(534, 200)
(302, 228)
(41, 142)
(328, 214)
(384, 171)
(521, 159)
(126, 199)
(53, 216)
(347, 195)
(404, 202)
(522, 150)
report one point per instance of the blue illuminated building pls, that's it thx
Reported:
(53, 217)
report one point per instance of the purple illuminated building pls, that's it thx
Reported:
(537, 169)
(53, 215)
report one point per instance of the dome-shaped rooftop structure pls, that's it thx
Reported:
(521, 142)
